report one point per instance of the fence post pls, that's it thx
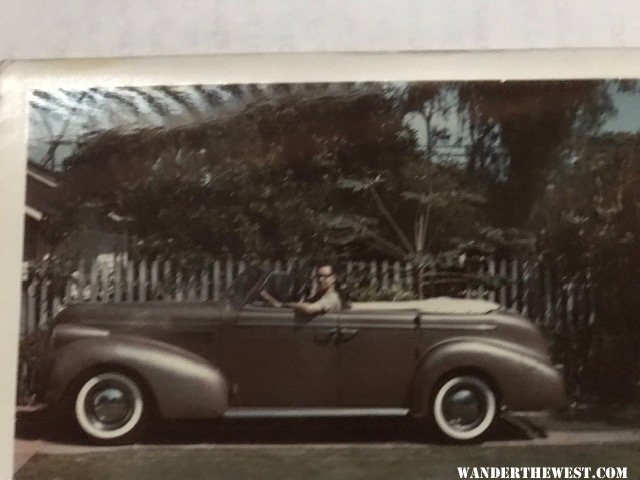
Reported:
(469, 287)
(397, 275)
(82, 281)
(179, 284)
(31, 302)
(385, 275)
(192, 288)
(24, 311)
(228, 277)
(130, 281)
(492, 273)
(167, 290)
(549, 311)
(349, 273)
(515, 284)
(408, 277)
(105, 284)
(216, 280)
(117, 279)
(373, 273)
(155, 286)
(44, 302)
(204, 284)
(142, 281)
(68, 285)
(93, 276)
(481, 290)
(526, 285)
(503, 283)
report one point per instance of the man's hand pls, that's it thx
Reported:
(267, 297)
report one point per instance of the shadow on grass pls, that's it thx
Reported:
(42, 425)
(625, 415)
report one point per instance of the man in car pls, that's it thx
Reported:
(325, 300)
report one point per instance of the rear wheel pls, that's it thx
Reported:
(109, 408)
(464, 408)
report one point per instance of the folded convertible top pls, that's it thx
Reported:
(433, 305)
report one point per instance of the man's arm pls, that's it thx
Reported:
(302, 307)
(270, 299)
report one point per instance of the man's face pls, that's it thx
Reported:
(326, 278)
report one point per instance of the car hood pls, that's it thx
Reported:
(103, 313)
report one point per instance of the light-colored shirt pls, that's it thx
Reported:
(329, 301)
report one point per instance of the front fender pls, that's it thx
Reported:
(523, 382)
(184, 385)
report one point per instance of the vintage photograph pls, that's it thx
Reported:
(331, 280)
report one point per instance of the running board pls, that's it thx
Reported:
(314, 412)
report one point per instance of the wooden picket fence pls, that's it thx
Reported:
(561, 306)
(531, 287)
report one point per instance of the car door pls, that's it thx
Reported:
(273, 357)
(377, 352)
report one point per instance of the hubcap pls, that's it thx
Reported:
(109, 406)
(464, 407)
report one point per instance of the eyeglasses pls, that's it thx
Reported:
(324, 275)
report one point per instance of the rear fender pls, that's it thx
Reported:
(521, 382)
(184, 385)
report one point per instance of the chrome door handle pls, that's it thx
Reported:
(346, 334)
(325, 339)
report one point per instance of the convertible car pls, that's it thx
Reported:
(112, 368)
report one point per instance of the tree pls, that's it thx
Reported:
(536, 120)
(232, 184)
(587, 220)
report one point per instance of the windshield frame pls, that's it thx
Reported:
(239, 299)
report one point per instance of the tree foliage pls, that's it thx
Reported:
(289, 176)
(534, 121)
(587, 220)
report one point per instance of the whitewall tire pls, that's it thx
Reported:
(109, 408)
(464, 408)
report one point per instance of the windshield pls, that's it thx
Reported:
(246, 285)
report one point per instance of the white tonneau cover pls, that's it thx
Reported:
(432, 305)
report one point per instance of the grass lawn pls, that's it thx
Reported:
(381, 462)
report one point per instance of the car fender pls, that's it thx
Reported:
(183, 384)
(521, 382)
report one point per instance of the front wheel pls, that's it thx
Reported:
(464, 408)
(109, 408)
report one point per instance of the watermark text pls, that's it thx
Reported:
(494, 473)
